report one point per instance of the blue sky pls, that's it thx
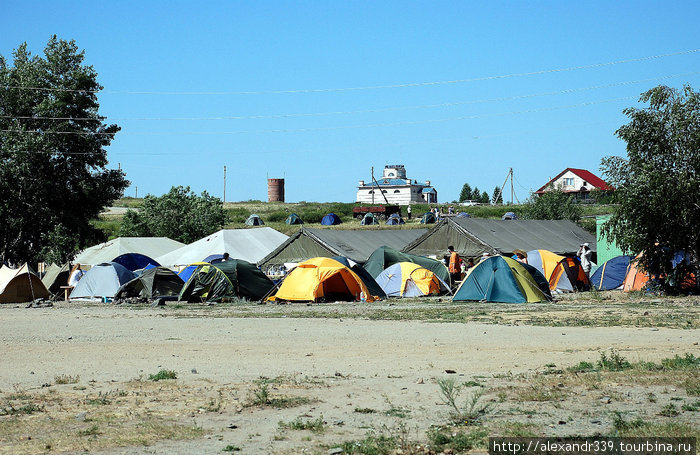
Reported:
(318, 92)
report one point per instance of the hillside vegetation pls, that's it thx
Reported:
(274, 214)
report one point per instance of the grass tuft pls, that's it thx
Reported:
(162, 375)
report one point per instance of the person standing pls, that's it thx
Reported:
(585, 253)
(408, 211)
(455, 267)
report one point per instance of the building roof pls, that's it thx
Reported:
(355, 244)
(395, 182)
(588, 176)
(472, 237)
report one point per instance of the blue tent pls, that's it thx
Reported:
(395, 219)
(330, 220)
(212, 258)
(463, 215)
(187, 272)
(509, 216)
(134, 261)
(611, 274)
(428, 218)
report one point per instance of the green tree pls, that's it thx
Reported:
(53, 175)
(466, 193)
(656, 186)
(497, 197)
(484, 198)
(180, 215)
(553, 204)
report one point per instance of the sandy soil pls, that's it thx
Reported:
(343, 365)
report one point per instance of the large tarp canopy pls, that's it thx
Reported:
(355, 244)
(246, 244)
(472, 237)
(20, 285)
(230, 279)
(155, 282)
(106, 252)
(500, 279)
(386, 256)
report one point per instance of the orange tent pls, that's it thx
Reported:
(636, 278)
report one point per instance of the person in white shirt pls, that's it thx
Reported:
(75, 275)
(585, 253)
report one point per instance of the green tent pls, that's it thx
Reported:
(152, 283)
(385, 256)
(369, 219)
(293, 219)
(230, 279)
(501, 279)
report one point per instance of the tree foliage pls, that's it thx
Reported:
(469, 194)
(53, 175)
(180, 215)
(497, 196)
(553, 204)
(656, 186)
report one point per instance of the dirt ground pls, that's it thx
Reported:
(74, 378)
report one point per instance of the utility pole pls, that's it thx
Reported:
(137, 192)
(224, 184)
(374, 189)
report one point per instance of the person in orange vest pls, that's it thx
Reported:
(455, 267)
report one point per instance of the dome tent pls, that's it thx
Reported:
(428, 218)
(501, 279)
(321, 279)
(254, 220)
(230, 279)
(102, 280)
(369, 219)
(330, 220)
(611, 275)
(293, 219)
(152, 283)
(406, 279)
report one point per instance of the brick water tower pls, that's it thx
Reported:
(275, 190)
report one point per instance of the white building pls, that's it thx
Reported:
(397, 189)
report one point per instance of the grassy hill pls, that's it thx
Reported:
(275, 213)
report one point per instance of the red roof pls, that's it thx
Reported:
(593, 180)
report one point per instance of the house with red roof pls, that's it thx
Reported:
(578, 182)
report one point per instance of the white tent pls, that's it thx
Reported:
(108, 251)
(248, 244)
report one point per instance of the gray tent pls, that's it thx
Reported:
(354, 244)
(472, 237)
(102, 280)
(254, 220)
(55, 277)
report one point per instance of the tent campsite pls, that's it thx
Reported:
(385, 256)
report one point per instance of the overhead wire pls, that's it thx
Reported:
(330, 128)
(360, 111)
(371, 87)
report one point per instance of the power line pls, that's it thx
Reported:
(373, 87)
(297, 130)
(359, 111)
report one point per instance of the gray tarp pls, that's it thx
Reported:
(108, 251)
(250, 245)
(472, 237)
(355, 244)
